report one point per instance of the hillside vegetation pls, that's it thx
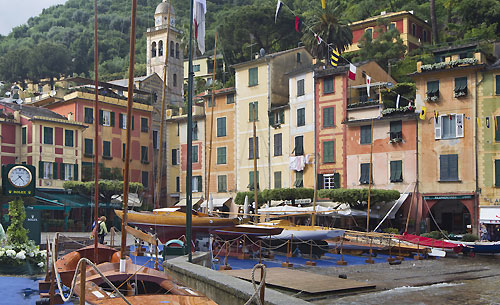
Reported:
(244, 26)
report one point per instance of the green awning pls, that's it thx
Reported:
(63, 199)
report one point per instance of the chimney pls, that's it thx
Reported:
(70, 116)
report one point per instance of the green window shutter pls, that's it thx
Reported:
(89, 146)
(365, 173)
(453, 164)
(145, 179)
(336, 180)
(497, 172)
(497, 129)
(221, 127)
(328, 85)
(365, 134)
(299, 179)
(277, 144)
(251, 178)
(328, 117)
(174, 156)
(200, 185)
(328, 151)
(120, 120)
(68, 138)
(48, 135)
(396, 171)
(101, 117)
(23, 130)
(271, 118)
(123, 151)
(282, 117)
(497, 83)
(54, 171)
(299, 145)
(222, 183)
(194, 154)
(444, 168)
(62, 171)
(277, 180)
(221, 155)
(112, 119)
(106, 148)
(144, 154)
(301, 117)
(75, 174)
(40, 169)
(319, 181)
(253, 75)
(133, 120)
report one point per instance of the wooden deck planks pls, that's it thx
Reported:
(301, 280)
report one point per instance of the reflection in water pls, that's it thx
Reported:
(479, 291)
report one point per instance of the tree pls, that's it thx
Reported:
(107, 188)
(48, 60)
(358, 198)
(387, 45)
(16, 233)
(331, 28)
(13, 65)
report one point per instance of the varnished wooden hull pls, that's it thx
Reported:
(248, 230)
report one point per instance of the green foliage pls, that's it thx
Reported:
(470, 237)
(406, 90)
(16, 233)
(435, 234)
(391, 230)
(288, 194)
(357, 198)
(107, 188)
(240, 198)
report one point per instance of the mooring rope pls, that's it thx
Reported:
(255, 287)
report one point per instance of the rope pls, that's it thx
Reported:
(72, 240)
(432, 216)
(255, 287)
(73, 282)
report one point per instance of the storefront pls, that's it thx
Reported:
(489, 216)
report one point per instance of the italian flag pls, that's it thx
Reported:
(352, 71)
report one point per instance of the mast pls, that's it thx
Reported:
(189, 151)
(96, 135)
(162, 122)
(255, 192)
(211, 122)
(130, 100)
(369, 180)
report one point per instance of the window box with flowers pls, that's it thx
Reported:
(432, 91)
(400, 110)
(460, 87)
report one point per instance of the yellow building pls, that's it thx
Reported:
(203, 67)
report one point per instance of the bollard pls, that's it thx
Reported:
(418, 257)
(341, 261)
(243, 255)
(310, 262)
(287, 264)
(399, 257)
(390, 259)
(370, 260)
(226, 266)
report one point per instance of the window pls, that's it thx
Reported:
(68, 170)
(432, 90)
(449, 126)
(253, 111)
(132, 122)
(177, 184)
(277, 144)
(144, 154)
(497, 130)
(144, 125)
(89, 115)
(122, 121)
(89, 148)
(195, 130)
(196, 68)
(123, 151)
(365, 134)
(277, 180)
(153, 49)
(299, 179)
(48, 135)
(156, 139)
(251, 180)
(369, 34)
(171, 48)
(211, 102)
(392, 26)
(250, 148)
(48, 168)
(301, 117)
(331, 181)
(365, 173)
(396, 171)
(277, 118)
(300, 87)
(230, 98)
(222, 183)
(145, 179)
(221, 155)
(68, 138)
(425, 36)
(197, 184)
(396, 131)
(177, 51)
(328, 151)
(298, 58)
(448, 167)
(160, 48)
(23, 135)
(106, 118)
(497, 84)
(253, 77)
(329, 117)
(414, 29)
(497, 173)
(174, 81)
(460, 86)
(175, 155)
(328, 85)
(194, 154)
(221, 127)
(299, 145)
(106, 150)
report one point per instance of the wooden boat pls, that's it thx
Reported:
(140, 285)
(299, 232)
(249, 230)
(171, 223)
(481, 247)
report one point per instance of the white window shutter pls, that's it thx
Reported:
(437, 128)
(460, 125)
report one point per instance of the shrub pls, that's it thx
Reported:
(240, 198)
(435, 234)
(358, 197)
(391, 230)
(469, 237)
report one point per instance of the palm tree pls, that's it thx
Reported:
(328, 25)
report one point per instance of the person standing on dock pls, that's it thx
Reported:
(103, 230)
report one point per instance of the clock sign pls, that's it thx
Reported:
(17, 180)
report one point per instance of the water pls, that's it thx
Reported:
(478, 291)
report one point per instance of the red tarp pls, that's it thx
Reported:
(429, 242)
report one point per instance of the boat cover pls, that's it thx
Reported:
(429, 242)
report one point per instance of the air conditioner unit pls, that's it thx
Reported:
(168, 113)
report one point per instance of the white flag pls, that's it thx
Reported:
(200, 9)
(368, 82)
(278, 9)
(397, 101)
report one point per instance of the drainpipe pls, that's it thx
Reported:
(475, 207)
(417, 224)
(315, 151)
(268, 125)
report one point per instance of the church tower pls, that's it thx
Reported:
(157, 50)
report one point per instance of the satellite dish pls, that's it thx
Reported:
(262, 52)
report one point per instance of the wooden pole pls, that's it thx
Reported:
(162, 122)
(341, 261)
(209, 162)
(96, 136)
(369, 180)
(310, 262)
(370, 260)
(260, 251)
(255, 192)
(263, 287)
(409, 212)
(83, 280)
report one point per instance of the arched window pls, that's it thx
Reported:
(171, 48)
(175, 80)
(153, 49)
(177, 50)
(160, 48)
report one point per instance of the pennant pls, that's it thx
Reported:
(200, 9)
(478, 122)
(334, 58)
(368, 83)
(318, 39)
(323, 4)
(487, 122)
(436, 116)
(397, 101)
(352, 72)
(279, 5)
(422, 113)
(379, 96)
(451, 116)
(298, 24)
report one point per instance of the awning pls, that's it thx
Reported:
(133, 200)
(489, 215)
(218, 202)
(63, 199)
(183, 201)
